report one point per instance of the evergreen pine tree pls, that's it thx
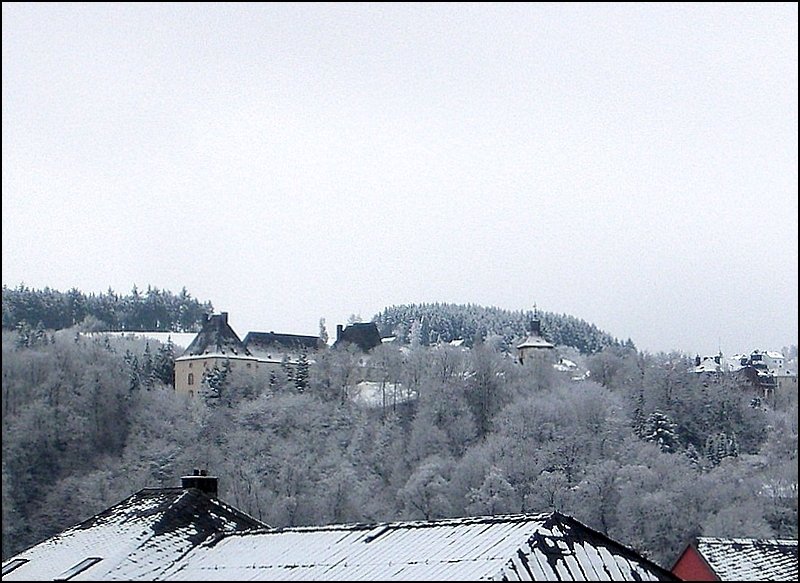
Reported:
(659, 429)
(287, 368)
(693, 455)
(148, 375)
(733, 446)
(134, 373)
(164, 363)
(323, 332)
(638, 415)
(301, 374)
(214, 384)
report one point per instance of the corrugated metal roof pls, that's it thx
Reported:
(136, 539)
(520, 547)
(747, 559)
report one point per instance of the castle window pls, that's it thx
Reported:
(191, 378)
(190, 365)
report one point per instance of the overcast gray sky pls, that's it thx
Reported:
(631, 165)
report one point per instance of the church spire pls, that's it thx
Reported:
(534, 324)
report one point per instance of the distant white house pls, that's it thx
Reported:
(768, 361)
(710, 365)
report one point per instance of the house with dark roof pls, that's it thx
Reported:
(533, 343)
(136, 539)
(218, 345)
(277, 347)
(215, 346)
(738, 559)
(766, 371)
(539, 547)
(188, 535)
(365, 335)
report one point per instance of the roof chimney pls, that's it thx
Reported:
(339, 330)
(224, 316)
(200, 480)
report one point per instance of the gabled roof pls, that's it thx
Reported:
(136, 539)
(534, 342)
(365, 335)
(216, 338)
(749, 559)
(264, 340)
(543, 547)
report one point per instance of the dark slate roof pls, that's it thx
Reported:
(265, 340)
(217, 338)
(365, 335)
(748, 559)
(136, 539)
(539, 547)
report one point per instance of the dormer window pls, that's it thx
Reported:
(13, 565)
(79, 568)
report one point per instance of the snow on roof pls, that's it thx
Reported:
(708, 365)
(519, 547)
(535, 342)
(217, 338)
(267, 340)
(135, 539)
(371, 393)
(565, 365)
(747, 559)
(224, 357)
(179, 339)
(773, 354)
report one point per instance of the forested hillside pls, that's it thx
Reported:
(646, 452)
(434, 323)
(153, 310)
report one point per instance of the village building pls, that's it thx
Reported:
(217, 345)
(365, 335)
(712, 366)
(136, 539)
(738, 559)
(187, 534)
(277, 348)
(534, 343)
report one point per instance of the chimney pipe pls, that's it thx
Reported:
(224, 316)
(339, 330)
(200, 480)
